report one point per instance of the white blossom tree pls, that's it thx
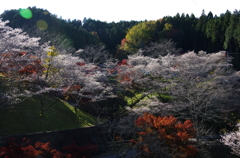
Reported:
(163, 48)
(30, 69)
(18, 59)
(232, 140)
(203, 86)
(200, 86)
(94, 54)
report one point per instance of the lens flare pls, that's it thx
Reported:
(42, 25)
(25, 13)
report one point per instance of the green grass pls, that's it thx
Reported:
(132, 100)
(25, 118)
(138, 95)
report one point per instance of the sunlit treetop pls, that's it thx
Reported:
(138, 36)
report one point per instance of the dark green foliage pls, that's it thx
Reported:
(209, 33)
(110, 34)
(72, 30)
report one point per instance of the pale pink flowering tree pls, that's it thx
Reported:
(17, 52)
(232, 140)
(55, 72)
(200, 86)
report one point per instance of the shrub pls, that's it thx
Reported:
(43, 150)
(161, 135)
(26, 150)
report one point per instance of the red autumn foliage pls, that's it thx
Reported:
(80, 63)
(30, 69)
(124, 76)
(173, 134)
(118, 69)
(124, 62)
(123, 42)
(20, 62)
(26, 150)
(43, 150)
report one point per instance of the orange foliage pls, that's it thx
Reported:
(124, 76)
(25, 149)
(124, 62)
(123, 42)
(173, 134)
(43, 150)
(20, 62)
(31, 69)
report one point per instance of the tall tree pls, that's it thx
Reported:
(139, 36)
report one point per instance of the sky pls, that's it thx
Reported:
(126, 10)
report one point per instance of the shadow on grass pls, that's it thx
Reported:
(25, 118)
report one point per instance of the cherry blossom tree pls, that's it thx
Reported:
(34, 69)
(199, 86)
(18, 59)
(94, 54)
(165, 47)
(204, 84)
(232, 140)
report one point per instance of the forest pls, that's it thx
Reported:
(163, 88)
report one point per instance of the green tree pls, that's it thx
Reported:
(213, 31)
(200, 42)
(139, 36)
(231, 33)
(72, 30)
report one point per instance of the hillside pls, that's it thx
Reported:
(47, 22)
(25, 118)
(79, 33)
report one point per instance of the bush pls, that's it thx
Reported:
(43, 150)
(164, 135)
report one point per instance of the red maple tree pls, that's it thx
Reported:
(21, 63)
(173, 135)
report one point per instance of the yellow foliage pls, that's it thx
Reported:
(53, 52)
(167, 26)
(49, 69)
(139, 35)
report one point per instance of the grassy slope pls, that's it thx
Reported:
(25, 118)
